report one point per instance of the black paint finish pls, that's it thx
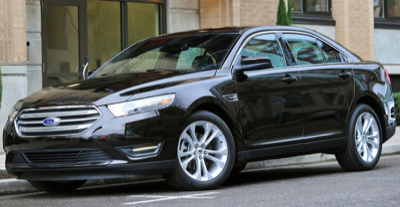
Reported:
(280, 111)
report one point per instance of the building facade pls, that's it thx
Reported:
(48, 42)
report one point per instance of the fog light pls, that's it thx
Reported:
(141, 151)
(145, 149)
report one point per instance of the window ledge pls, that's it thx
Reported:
(386, 24)
(313, 19)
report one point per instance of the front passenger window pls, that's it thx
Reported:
(265, 46)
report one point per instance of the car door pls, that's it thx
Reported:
(270, 101)
(327, 90)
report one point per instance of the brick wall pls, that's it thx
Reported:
(355, 26)
(220, 13)
(12, 31)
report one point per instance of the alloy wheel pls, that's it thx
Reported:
(202, 151)
(367, 137)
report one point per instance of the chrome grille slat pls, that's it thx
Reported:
(69, 120)
(57, 114)
(62, 121)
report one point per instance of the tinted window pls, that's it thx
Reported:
(331, 55)
(265, 46)
(189, 53)
(305, 49)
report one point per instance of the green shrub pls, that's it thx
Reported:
(283, 17)
(396, 97)
(289, 12)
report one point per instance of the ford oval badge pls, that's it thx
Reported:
(51, 121)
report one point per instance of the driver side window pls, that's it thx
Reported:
(265, 46)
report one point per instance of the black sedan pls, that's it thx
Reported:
(197, 106)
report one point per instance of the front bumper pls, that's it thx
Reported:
(95, 172)
(113, 147)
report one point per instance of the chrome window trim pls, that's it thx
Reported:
(283, 32)
(245, 43)
(56, 107)
(316, 37)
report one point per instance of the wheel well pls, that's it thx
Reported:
(378, 110)
(216, 110)
(213, 108)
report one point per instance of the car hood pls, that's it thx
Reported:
(89, 91)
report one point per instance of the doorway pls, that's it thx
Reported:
(78, 36)
(64, 41)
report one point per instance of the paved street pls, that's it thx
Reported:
(322, 184)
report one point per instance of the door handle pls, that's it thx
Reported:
(289, 79)
(344, 75)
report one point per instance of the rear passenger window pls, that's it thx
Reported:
(331, 55)
(265, 46)
(305, 49)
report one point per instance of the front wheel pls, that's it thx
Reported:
(57, 186)
(364, 140)
(205, 153)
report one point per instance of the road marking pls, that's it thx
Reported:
(164, 198)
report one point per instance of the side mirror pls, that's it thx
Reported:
(253, 63)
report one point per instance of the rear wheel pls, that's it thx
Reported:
(205, 153)
(365, 140)
(57, 186)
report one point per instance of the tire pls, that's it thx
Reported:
(364, 145)
(203, 162)
(57, 186)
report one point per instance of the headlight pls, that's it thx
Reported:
(141, 105)
(14, 112)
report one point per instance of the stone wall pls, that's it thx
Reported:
(222, 13)
(13, 52)
(34, 50)
(355, 26)
(182, 15)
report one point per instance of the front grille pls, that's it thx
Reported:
(70, 120)
(64, 157)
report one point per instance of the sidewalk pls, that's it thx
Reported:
(11, 186)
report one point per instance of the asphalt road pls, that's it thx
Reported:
(323, 184)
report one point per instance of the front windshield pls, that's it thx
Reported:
(191, 53)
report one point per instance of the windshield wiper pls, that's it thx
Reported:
(159, 70)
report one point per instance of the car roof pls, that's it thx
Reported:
(240, 30)
(254, 29)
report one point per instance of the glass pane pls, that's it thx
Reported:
(305, 49)
(265, 46)
(331, 55)
(179, 53)
(393, 8)
(297, 5)
(143, 21)
(104, 32)
(317, 5)
(62, 44)
(378, 8)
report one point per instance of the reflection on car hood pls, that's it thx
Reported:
(88, 91)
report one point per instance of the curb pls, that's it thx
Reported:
(15, 186)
